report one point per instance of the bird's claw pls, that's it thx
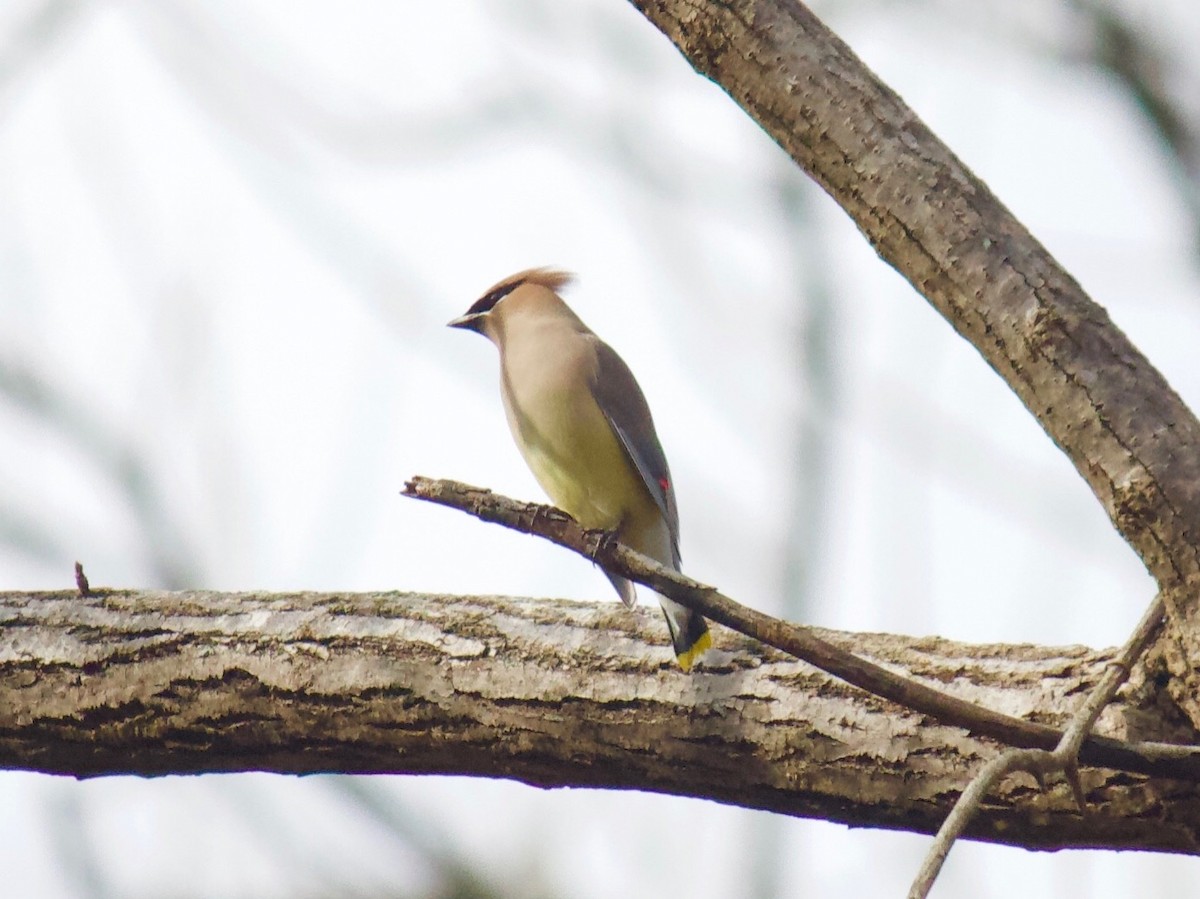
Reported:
(603, 540)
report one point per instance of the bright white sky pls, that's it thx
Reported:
(231, 236)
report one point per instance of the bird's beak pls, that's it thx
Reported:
(470, 322)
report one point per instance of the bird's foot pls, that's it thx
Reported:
(602, 539)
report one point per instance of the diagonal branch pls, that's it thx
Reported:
(1064, 758)
(1128, 434)
(802, 642)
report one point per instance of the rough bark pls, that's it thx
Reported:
(1181, 760)
(548, 692)
(1126, 431)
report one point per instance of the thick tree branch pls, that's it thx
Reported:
(803, 642)
(1128, 434)
(547, 692)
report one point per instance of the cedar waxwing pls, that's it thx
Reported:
(583, 426)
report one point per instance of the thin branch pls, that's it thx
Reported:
(801, 642)
(972, 797)
(1064, 759)
(1117, 674)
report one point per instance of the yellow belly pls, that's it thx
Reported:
(581, 464)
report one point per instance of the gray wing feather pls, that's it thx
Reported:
(623, 404)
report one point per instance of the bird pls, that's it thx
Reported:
(584, 428)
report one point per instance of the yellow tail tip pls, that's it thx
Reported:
(692, 654)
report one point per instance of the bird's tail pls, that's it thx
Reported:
(689, 632)
(624, 587)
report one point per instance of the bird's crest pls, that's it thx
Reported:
(551, 278)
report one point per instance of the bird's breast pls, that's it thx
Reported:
(568, 443)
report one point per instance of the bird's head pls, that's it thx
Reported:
(509, 297)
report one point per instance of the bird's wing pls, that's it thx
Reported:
(621, 400)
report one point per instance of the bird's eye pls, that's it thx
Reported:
(485, 303)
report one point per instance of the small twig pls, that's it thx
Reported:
(1064, 758)
(1156, 759)
(81, 581)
